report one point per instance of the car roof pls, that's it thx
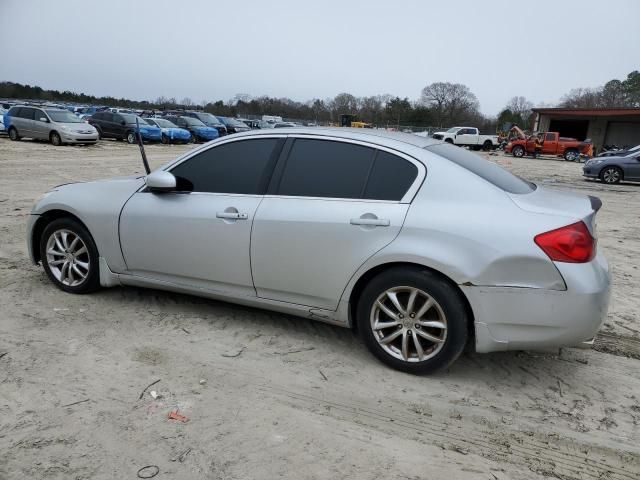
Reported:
(380, 137)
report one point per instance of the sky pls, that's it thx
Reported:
(212, 50)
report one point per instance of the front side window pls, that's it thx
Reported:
(324, 168)
(550, 137)
(242, 167)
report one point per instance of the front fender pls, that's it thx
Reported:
(97, 205)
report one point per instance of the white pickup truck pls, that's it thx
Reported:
(468, 137)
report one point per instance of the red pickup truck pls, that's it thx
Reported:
(549, 143)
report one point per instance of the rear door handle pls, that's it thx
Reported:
(373, 222)
(232, 215)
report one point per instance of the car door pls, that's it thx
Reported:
(466, 136)
(24, 122)
(332, 204)
(199, 236)
(550, 144)
(631, 166)
(41, 125)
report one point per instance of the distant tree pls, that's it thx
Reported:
(450, 102)
(186, 101)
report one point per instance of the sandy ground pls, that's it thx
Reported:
(270, 396)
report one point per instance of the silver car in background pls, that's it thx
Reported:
(56, 125)
(423, 246)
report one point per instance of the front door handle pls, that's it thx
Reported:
(232, 215)
(370, 222)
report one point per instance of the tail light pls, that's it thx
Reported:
(571, 244)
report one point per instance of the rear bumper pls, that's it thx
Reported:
(530, 318)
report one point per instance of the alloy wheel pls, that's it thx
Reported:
(68, 257)
(408, 324)
(611, 175)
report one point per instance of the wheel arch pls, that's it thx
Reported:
(42, 222)
(368, 275)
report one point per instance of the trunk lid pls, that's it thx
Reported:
(562, 203)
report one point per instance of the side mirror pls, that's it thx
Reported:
(44, 119)
(161, 181)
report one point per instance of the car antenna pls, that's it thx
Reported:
(140, 144)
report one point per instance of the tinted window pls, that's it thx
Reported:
(551, 137)
(485, 169)
(27, 113)
(15, 111)
(238, 167)
(390, 177)
(322, 168)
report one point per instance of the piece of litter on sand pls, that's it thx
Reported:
(154, 394)
(295, 351)
(202, 381)
(76, 403)
(323, 375)
(181, 456)
(174, 415)
(147, 388)
(148, 471)
(60, 309)
(3, 354)
(233, 354)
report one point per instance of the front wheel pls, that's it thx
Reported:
(611, 175)
(194, 138)
(55, 139)
(13, 134)
(518, 151)
(164, 139)
(412, 320)
(69, 256)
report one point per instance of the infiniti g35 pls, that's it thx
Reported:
(423, 246)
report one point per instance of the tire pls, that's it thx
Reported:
(165, 140)
(54, 138)
(130, 137)
(99, 130)
(487, 146)
(13, 134)
(571, 155)
(193, 138)
(518, 151)
(447, 318)
(611, 175)
(448, 140)
(76, 271)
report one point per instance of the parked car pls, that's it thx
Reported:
(171, 133)
(550, 143)
(122, 126)
(613, 169)
(209, 120)
(59, 126)
(252, 124)
(199, 131)
(619, 152)
(233, 125)
(349, 228)
(284, 125)
(468, 137)
(2, 112)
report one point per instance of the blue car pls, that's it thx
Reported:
(199, 131)
(171, 133)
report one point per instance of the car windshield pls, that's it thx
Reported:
(208, 118)
(234, 123)
(453, 130)
(63, 116)
(128, 118)
(161, 122)
(194, 122)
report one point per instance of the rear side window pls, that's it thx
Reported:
(324, 168)
(485, 169)
(390, 177)
(14, 111)
(242, 167)
(27, 113)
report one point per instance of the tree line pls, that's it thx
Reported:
(440, 104)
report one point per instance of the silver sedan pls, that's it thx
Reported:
(423, 246)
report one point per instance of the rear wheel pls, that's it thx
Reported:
(194, 138)
(611, 175)
(571, 155)
(518, 151)
(412, 320)
(131, 138)
(69, 256)
(486, 146)
(99, 130)
(13, 134)
(55, 139)
(165, 139)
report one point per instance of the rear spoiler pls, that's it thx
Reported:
(596, 203)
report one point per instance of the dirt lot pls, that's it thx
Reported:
(270, 396)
